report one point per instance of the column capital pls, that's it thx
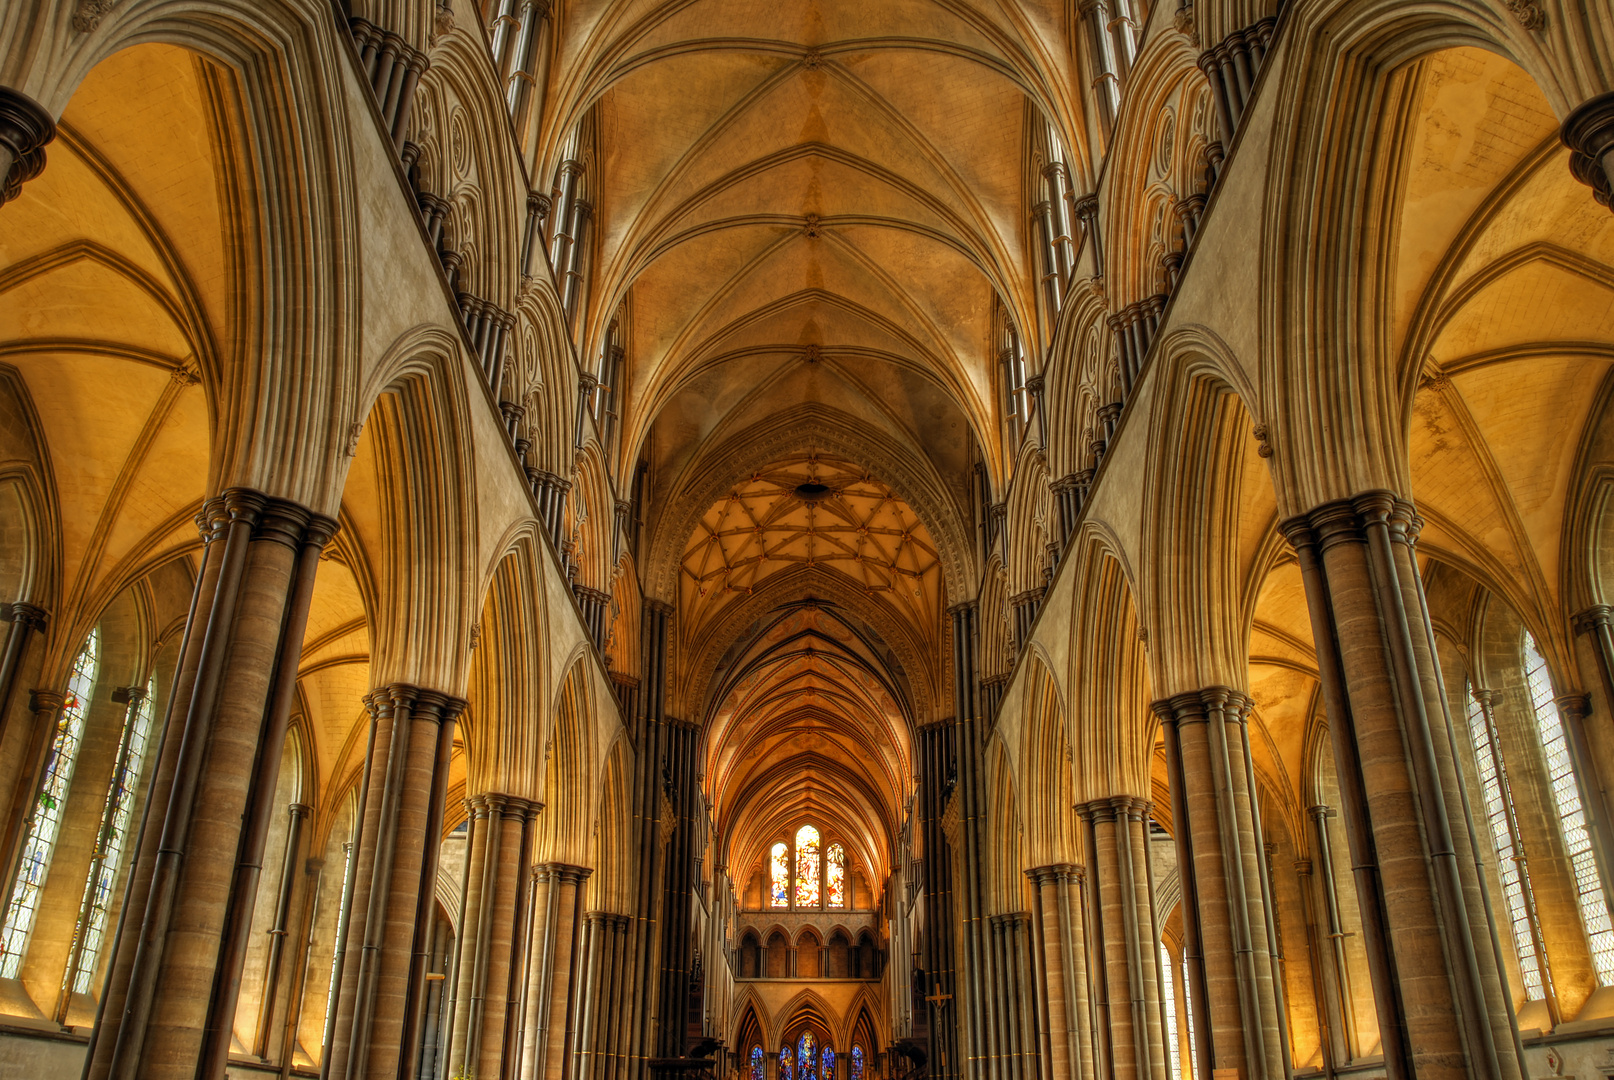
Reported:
(46, 701)
(1588, 132)
(1593, 618)
(299, 810)
(33, 616)
(1578, 706)
(26, 127)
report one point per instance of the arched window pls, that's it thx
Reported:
(113, 841)
(828, 1070)
(1594, 912)
(1169, 994)
(786, 1061)
(807, 1057)
(46, 818)
(835, 876)
(1504, 829)
(857, 1063)
(756, 1063)
(807, 856)
(779, 876)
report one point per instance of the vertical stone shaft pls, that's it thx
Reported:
(445, 712)
(938, 744)
(558, 1048)
(483, 824)
(114, 996)
(300, 548)
(1418, 877)
(1127, 976)
(214, 793)
(1226, 915)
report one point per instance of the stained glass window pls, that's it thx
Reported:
(786, 1061)
(1571, 817)
(835, 875)
(857, 1063)
(779, 876)
(46, 818)
(806, 1057)
(807, 856)
(113, 841)
(828, 1071)
(756, 1063)
(1510, 867)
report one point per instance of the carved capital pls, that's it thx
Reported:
(26, 127)
(1588, 132)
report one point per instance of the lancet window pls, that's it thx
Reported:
(1565, 787)
(758, 1071)
(45, 819)
(1169, 994)
(113, 840)
(787, 1062)
(857, 1063)
(1502, 823)
(805, 873)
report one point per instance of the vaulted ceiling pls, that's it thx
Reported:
(817, 206)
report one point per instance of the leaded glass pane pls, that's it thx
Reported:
(779, 876)
(828, 1058)
(807, 856)
(115, 821)
(46, 816)
(857, 1063)
(807, 1057)
(757, 1072)
(786, 1062)
(1571, 818)
(1510, 868)
(835, 875)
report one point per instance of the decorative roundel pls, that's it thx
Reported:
(1165, 143)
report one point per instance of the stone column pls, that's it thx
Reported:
(25, 127)
(22, 622)
(1588, 132)
(268, 1005)
(1230, 957)
(1126, 948)
(553, 962)
(1438, 988)
(382, 977)
(176, 959)
(491, 944)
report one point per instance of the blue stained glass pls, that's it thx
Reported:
(807, 1057)
(786, 1063)
(828, 1072)
(757, 1063)
(857, 1063)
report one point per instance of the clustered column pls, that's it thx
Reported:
(1061, 920)
(1229, 945)
(1438, 990)
(168, 1008)
(549, 1031)
(492, 941)
(383, 949)
(1129, 1022)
